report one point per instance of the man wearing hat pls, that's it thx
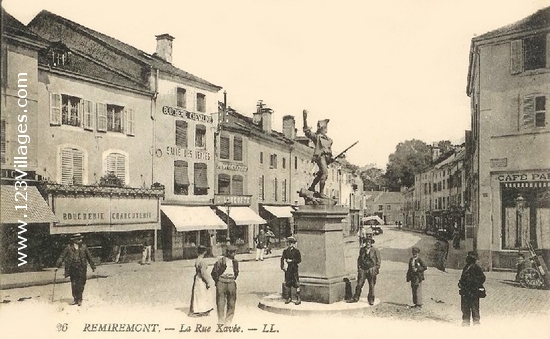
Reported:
(224, 273)
(289, 264)
(368, 267)
(76, 257)
(470, 282)
(322, 153)
(415, 274)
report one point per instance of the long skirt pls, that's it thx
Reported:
(202, 298)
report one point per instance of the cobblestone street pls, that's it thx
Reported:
(160, 293)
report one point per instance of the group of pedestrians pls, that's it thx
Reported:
(225, 271)
(263, 243)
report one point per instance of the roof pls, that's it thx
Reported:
(12, 26)
(538, 20)
(457, 155)
(380, 197)
(129, 50)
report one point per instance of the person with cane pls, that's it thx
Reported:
(76, 257)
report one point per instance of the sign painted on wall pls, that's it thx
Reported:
(499, 163)
(187, 153)
(231, 167)
(104, 210)
(178, 112)
(540, 176)
(242, 200)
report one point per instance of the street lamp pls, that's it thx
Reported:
(520, 205)
(227, 205)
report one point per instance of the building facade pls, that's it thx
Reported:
(509, 87)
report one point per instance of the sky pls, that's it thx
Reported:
(382, 71)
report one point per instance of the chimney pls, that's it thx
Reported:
(164, 47)
(262, 117)
(289, 127)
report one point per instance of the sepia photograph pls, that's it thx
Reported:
(288, 169)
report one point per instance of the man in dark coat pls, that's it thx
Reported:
(415, 274)
(470, 282)
(289, 264)
(76, 257)
(225, 273)
(368, 267)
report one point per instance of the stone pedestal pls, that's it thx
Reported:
(321, 243)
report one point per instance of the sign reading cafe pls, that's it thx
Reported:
(512, 177)
(178, 112)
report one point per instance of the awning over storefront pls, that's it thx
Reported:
(36, 211)
(243, 215)
(279, 211)
(193, 218)
(103, 228)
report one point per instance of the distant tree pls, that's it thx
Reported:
(372, 178)
(445, 146)
(410, 157)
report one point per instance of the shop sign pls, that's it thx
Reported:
(187, 153)
(104, 210)
(242, 200)
(514, 177)
(232, 167)
(178, 112)
(499, 163)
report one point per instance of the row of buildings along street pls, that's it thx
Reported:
(121, 145)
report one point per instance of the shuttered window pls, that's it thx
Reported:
(181, 178)
(200, 136)
(224, 182)
(116, 163)
(181, 100)
(275, 189)
(516, 53)
(72, 166)
(89, 115)
(181, 133)
(201, 179)
(283, 191)
(114, 118)
(201, 102)
(55, 109)
(2, 141)
(534, 51)
(261, 188)
(224, 147)
(238, 149)
(533, 112)
(101, 112)
(237, 185)
(130, 122)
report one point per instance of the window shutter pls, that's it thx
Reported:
(201, 176)
(120, 169)
(180, 173)
(224, 147)
(528, 116)
(66, 166)
(237, 149)
(548, 50)
(55, 109)
(88, 115)
(78, 167)
(124, 120)
(516, 54)
(224, 181)
(181, 133)
(237, 185)
(101, 117)
(131, 122)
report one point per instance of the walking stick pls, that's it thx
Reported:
(54, 281)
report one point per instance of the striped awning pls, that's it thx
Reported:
(193, 218)
(533, 184)
(30, 208)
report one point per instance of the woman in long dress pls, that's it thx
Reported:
(202, 295)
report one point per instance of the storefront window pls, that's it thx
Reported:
(525, 215)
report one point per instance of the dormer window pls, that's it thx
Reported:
(58, 55)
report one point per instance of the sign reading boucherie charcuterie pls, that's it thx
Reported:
(105, 210)
(178, 112)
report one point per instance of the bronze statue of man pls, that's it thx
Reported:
(322, 154)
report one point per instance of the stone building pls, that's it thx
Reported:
(509, 88)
